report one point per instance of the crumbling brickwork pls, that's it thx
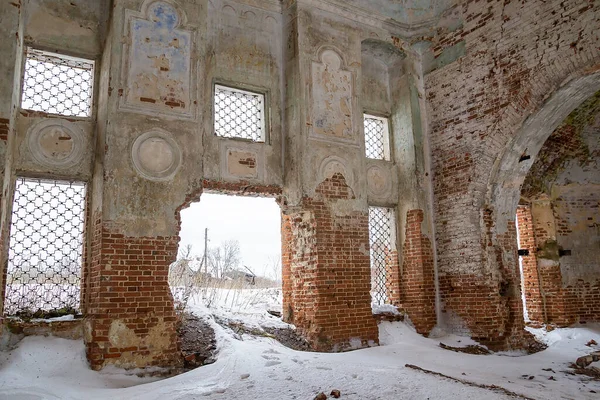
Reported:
(546, 253)
(418, 277)
(472, 91)
(330, 270)
(561, 188)
(502, 76)
(392, 278)
(4, 127)
(531, 280)
(131, 316)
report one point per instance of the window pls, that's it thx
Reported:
(57, 84)
(377, 137)
(381, 221)
(45, 247)
(239, 114)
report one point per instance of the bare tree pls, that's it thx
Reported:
(274, 267)
(224, 258)
(185, 253)
(179, 272)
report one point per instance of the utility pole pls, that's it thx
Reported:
(205, 250)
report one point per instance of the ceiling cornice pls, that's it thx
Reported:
(370, 18)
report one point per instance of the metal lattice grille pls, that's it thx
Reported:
(376, 141)
(239, 114)
(57, 84)
(380, 238)
(46, 244)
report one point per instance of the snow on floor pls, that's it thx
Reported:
(261, 368)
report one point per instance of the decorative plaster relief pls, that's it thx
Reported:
(157, 63)
(379, 182)
(242, 163)
(156, 156)
(332, 99)
(332, 165)
(56, 143)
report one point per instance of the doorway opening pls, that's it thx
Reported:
(229, 254)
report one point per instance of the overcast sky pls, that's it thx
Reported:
(254, 221)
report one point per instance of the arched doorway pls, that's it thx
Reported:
(510, 172)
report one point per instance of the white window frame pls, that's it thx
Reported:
(386, 136)
(263, 125)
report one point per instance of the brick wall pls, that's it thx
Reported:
(489, 308)
(578, 230)
(131, 319)
(4, 235)
(573, 297)
(544, 232)
(328, 260)
(392, 278)
(418, 279)
(516, 54)
(4, 128)
(529, 264)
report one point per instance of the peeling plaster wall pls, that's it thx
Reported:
(575, 193)
(75, 26)
(469, 88)
(214, 55)
(11, 45)
(149, 149)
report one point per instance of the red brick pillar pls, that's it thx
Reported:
(4, 233)
(544, 226)
(392, 278)
(329, 268)
(531, 281)
(131, 319)
(418, 279)
(286, 260)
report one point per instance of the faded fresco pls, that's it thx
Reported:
(158, 74)
(332, 97)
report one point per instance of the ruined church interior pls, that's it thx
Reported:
(436, 165)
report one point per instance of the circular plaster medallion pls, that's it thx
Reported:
(332, 165)
(56, 143)
(156, 156)
(378, 181)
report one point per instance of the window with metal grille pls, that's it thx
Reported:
(45, 248)
(239, 114)
(377, 137)
(57, 84)
(381, 221)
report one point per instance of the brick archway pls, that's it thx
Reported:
(504, 190)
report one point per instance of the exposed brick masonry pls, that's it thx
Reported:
(531, 280)
(418, 279)
(516, 55)
(392, 278)
(131, 316)
(329, 268)
(578, 221)
(490, 309)
(4, 128)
